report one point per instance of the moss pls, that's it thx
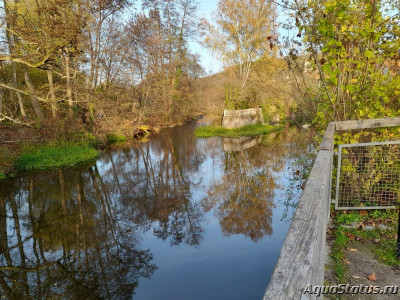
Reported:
(47, 157)
(2, 175)
(113, 138)
(248, 130)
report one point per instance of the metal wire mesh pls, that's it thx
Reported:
(368, 176)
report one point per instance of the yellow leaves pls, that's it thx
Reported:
(354, 80)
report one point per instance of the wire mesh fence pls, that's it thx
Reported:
(368, 176)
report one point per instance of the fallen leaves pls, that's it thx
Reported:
(372, 277)
(353, 250)
(353, 237)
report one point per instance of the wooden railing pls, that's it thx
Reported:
(302, 258)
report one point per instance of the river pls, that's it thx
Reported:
(171, 217)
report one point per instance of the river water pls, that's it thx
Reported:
(173, 217)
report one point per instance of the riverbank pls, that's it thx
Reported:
(60, 144)
(49, 157)
(41, 149)
(363, 248)
(248, 130)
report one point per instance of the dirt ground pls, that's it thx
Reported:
(361, 263)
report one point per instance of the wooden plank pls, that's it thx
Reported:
(369, 123)
(302, 258)
(328, 140)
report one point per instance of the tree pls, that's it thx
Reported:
(354, 46)
(244, 32)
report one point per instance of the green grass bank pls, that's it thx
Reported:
(248, 130)
(113, 138)
(49, 157)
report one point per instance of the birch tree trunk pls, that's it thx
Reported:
(19, 96)
(69, 88)
(31, 88)
(52, 94)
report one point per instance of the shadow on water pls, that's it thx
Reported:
(99, 231)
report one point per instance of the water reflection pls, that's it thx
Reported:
(241, 143)
(243, 196)
(57, 240)
(80, 233)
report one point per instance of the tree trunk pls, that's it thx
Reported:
(52, 94)
(31, 88)
(69, 89)
(19, 96)
(10, 39)
(1, 101)
(75, 82)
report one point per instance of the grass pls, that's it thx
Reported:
(337, 255)
(113, 138)
(382, 241)
(47, 157)
(248, 130)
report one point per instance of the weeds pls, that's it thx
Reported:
(337, 254)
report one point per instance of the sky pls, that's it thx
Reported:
(210, 64)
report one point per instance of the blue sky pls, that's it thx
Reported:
(209, 63)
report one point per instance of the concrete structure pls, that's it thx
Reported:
(242, 117)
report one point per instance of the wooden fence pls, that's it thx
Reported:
(302, 258)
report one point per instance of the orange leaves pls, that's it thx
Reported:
(372, 277)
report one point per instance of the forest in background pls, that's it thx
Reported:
(96, 63)
(71, 70)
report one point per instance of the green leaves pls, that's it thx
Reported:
(369, 54)
(359, 73)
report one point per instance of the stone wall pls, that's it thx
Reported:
(242, 117)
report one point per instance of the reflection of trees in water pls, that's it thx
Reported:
(156, 185)
(77, 234)
(244, 197)
(55, 243)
